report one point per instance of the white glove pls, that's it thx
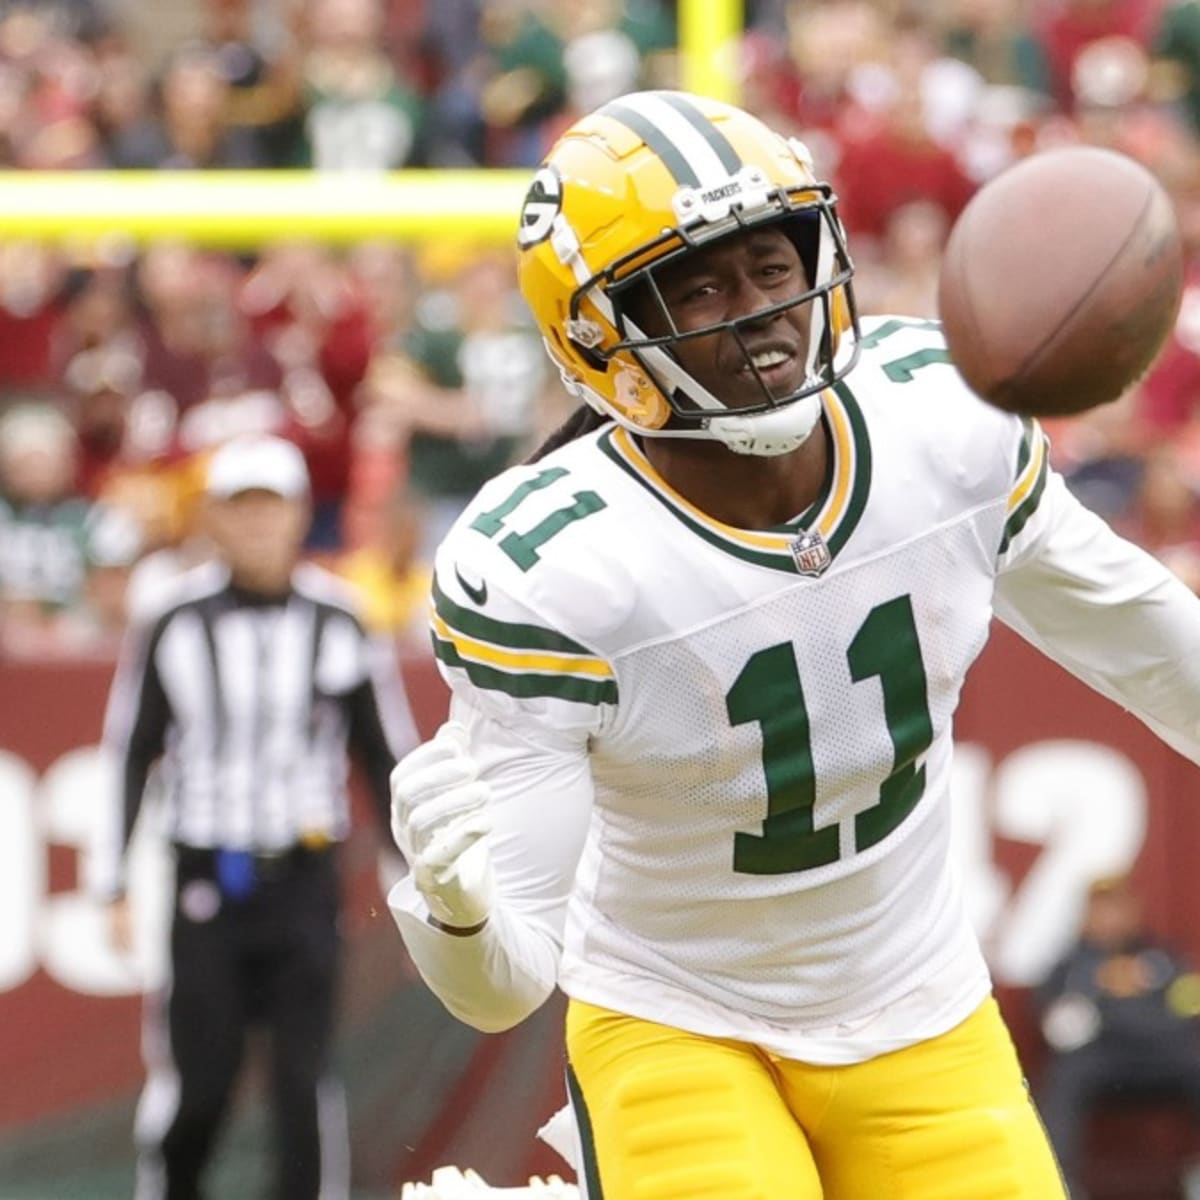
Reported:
(440, 822)
(449, 1183)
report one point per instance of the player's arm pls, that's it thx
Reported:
(492, 820)
(1099, 605)
(492, 817)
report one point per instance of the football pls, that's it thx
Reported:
(1060, 281)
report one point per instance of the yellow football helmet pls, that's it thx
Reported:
(639, 183)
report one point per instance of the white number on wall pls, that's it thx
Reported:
(1083, 804)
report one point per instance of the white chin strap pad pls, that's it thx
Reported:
(769, 433)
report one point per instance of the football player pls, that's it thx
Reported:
(704, 655)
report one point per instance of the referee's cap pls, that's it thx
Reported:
(263, 463)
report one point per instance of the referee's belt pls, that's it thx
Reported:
(267, 864)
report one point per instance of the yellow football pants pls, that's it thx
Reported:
(668, 1115)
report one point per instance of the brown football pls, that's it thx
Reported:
(1060, 281)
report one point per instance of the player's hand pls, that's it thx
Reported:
(440, 822)
(451, 1183)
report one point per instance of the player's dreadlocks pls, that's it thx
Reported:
(583, 420)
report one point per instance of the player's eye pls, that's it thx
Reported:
(777, 271)
(694, 292)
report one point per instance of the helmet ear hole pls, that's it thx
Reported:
(591, 357)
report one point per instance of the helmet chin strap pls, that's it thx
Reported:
(767, 434)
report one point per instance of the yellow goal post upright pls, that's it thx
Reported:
(240, 210)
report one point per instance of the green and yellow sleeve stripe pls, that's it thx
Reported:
(523, 661)
(1033, 467)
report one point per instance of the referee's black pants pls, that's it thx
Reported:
(269, 960)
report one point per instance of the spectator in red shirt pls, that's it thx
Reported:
(31, 307)
(1069, 27)
(897, 164)
(1169, 396)
(313, 313)
(100, 385)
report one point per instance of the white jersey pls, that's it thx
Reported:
(732, 749)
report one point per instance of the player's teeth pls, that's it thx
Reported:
(772, 358)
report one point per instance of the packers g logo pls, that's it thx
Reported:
(543, 202)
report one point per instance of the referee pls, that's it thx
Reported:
(248, 691)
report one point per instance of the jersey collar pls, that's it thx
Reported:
(834, 514)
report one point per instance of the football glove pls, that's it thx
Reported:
(449, 1183)
(440, 823)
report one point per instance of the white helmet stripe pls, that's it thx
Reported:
(654, 116)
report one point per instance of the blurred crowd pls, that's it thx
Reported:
(410, 374)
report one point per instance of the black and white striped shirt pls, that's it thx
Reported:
(251, 704)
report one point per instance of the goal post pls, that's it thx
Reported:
(239, 210)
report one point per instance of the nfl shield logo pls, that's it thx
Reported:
(810, 553)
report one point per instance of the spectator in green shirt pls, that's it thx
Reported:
(461, 389)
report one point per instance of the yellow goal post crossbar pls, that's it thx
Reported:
(239, 210)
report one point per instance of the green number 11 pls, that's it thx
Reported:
(768, 693)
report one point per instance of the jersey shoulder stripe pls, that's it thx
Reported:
(1033, 468)
(873, 334)
(899, 349)
(905, 360)
(522, 660)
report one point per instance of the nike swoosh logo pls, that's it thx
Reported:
(478, 594)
